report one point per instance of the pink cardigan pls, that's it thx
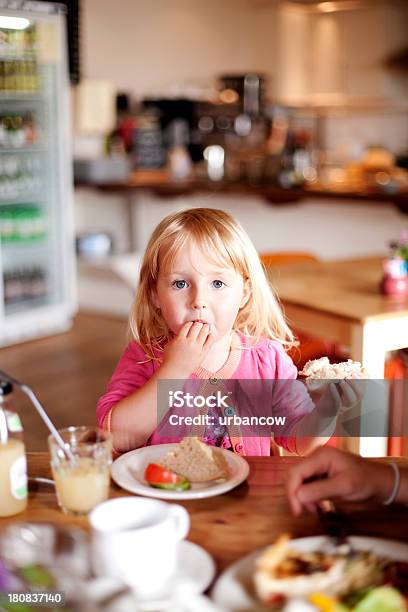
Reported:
(264, 361)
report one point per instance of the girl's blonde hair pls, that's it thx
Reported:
(220, 236)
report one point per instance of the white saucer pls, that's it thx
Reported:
(195, 566)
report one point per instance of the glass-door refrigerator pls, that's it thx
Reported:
(37, 259)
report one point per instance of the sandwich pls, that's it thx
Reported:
(319, 372)
(196, 461)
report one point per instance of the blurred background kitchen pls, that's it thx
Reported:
(280, 111)
(293, 116)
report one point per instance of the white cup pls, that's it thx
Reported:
(136, 540)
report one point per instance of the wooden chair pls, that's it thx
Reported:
(286, 257)
(396, 369)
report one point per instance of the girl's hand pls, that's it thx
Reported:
(186, 351)
(338, 397)
(348, 393)
(329, 473)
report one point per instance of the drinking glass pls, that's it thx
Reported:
(82, 482)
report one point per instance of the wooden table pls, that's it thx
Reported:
(234, 524)
(341, 301)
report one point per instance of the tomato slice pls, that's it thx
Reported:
(160, 477)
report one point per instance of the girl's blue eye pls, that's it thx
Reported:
(179, 284)
(218, 284)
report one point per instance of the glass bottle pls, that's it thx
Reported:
(13, 464)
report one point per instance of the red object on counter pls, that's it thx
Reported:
(126, 128)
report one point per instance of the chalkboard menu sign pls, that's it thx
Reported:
(148, 148)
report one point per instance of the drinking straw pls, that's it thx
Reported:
(41, 411)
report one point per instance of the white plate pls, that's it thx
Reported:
(128, 472)
(234, 592)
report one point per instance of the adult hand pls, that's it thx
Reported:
(329, 473)
(186, 351)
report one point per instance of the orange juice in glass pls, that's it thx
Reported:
(82, 482)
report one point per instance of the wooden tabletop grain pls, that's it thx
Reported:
(347, 288)
(232, 525)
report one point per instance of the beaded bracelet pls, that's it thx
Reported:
(397, 480)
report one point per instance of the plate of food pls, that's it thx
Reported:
(188, 470)
(310, 575)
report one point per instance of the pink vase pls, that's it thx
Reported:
(395, 280)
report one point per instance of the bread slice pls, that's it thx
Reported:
(323, 369)
(320, 372)
(196, 461)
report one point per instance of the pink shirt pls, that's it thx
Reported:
(264, 361)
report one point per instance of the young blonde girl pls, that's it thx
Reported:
(203, 310)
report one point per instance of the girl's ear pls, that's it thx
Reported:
(246, 293)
